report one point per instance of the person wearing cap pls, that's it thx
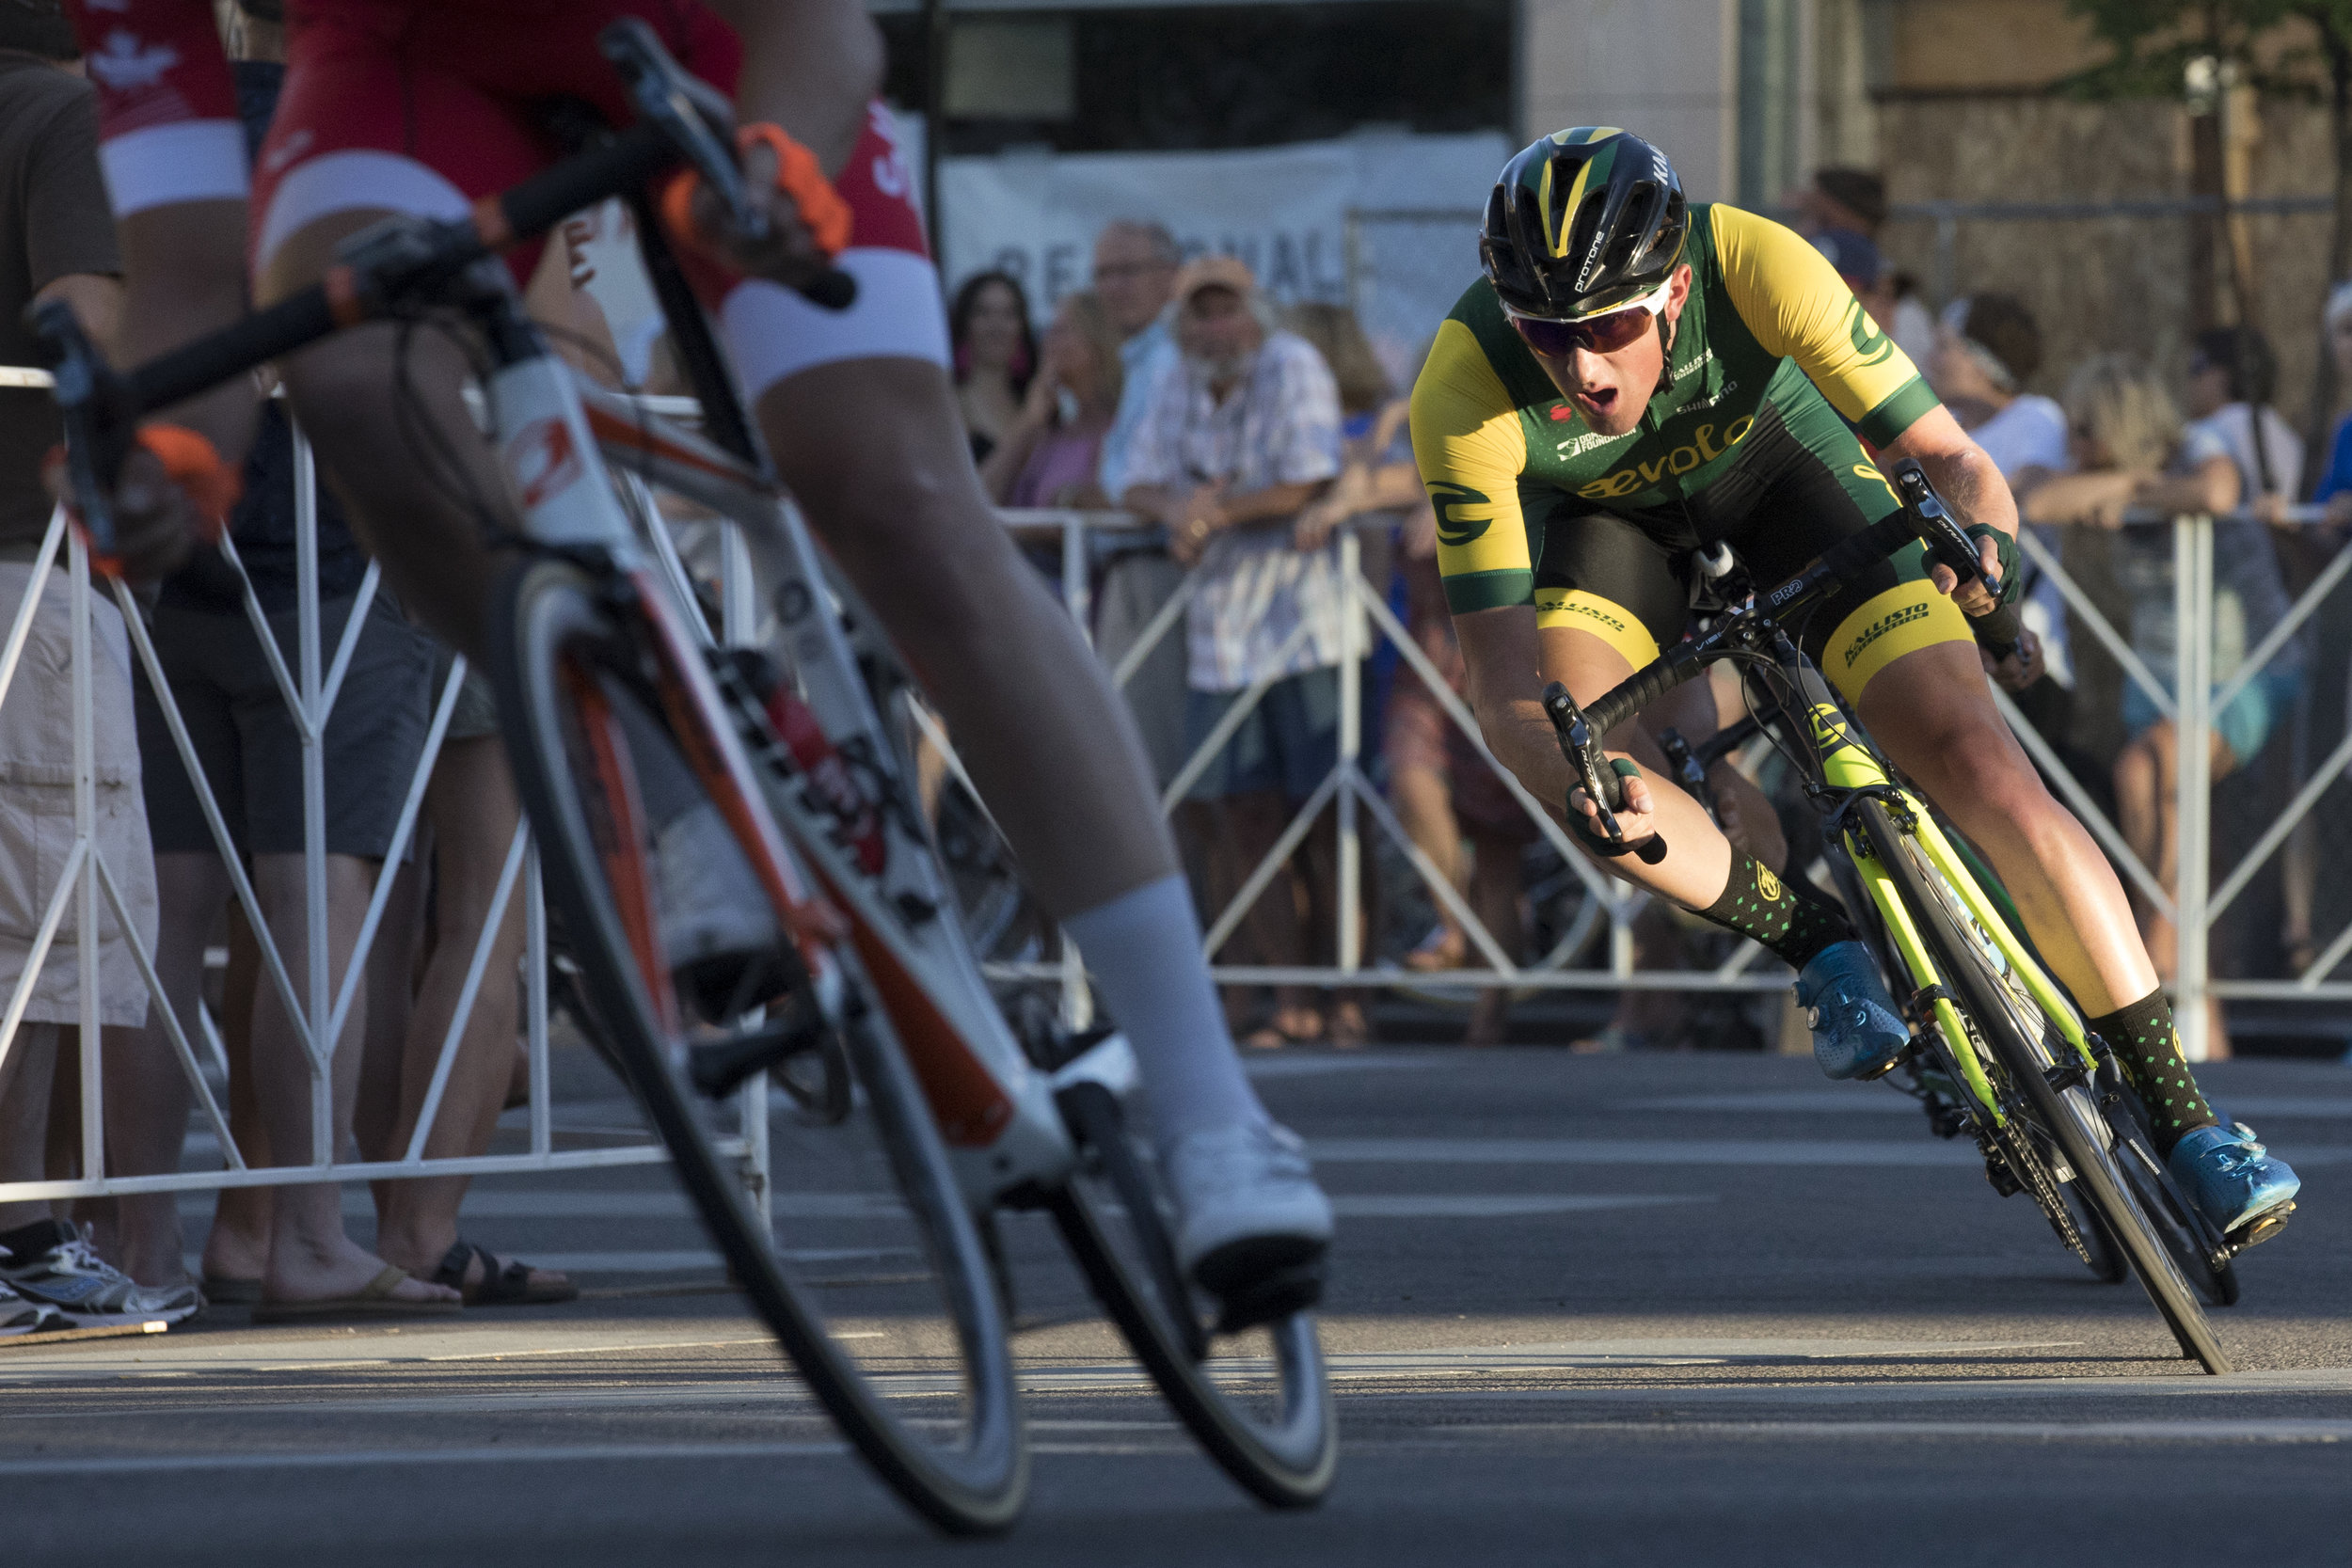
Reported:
(1852, 202)
(1239, 437)
(1862, 266)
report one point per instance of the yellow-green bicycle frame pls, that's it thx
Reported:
(1847, 764)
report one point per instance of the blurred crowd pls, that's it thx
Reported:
(203, 747)
(1250, 435)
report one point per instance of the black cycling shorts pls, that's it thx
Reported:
(1625, 576)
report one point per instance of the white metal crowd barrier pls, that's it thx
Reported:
(2195, 907)
(321, 1008)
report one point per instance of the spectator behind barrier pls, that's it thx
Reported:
(284, 1248)
(1052, 452)
(2131, 449)
(1135, 271)
(2334, 489)
(57, 243)
(1986, 346)
(471, 814)
(1134, 275)
(1233, 444)
(2233, 377)
(1853, 201)
(996, 356)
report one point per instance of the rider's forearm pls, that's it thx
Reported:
(1973, 488)
(809, 66)
(1523, 739)
(1503, 660)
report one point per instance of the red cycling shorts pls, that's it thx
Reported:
(420, 106)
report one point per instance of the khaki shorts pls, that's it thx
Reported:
(37, 824)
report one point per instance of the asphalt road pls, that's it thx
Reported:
(1655, 1310)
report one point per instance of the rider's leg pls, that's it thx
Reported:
(1856, 1029)
(1933, 713)
(873, 449)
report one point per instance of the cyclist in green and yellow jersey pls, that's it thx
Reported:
(1635, 379)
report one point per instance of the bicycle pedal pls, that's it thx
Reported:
(718, 1068)
(1276, 1296)
(1898, 1059)
(2261, 1228)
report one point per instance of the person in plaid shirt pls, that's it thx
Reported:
(1235, 441)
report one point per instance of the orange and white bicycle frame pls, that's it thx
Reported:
(884, 903)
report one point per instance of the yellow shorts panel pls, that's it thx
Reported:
(1889, 626)
(1604, 618)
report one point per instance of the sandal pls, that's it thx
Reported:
(510, 1286)
(1287, 1026)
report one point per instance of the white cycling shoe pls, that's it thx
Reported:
(1254, 1225)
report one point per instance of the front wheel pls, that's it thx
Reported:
(866, 1264)
(2061, 1115)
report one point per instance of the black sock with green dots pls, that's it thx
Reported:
(2148, 1051)
(1789, 917)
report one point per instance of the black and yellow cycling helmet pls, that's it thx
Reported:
(1584, 222)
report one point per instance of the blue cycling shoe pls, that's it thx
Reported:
(1856, 1033)
(2234, 1182)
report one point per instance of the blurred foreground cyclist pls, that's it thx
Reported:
(420, 106)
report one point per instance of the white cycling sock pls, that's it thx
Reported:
(1143, 950)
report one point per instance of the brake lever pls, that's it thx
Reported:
(699, 121)
(693, 117)
(1583, 753)
(93, 408)
(1948, 543)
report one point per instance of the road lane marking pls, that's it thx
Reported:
(1655, 1154)
(150, 1464)
(1882, 1101)
(2191, 1430)
(1645, 1153)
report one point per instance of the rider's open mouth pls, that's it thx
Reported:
(1599, 400)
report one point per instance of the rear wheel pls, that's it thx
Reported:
(2202, 1256)
(2055, 1113)
(867, 1265)
(1257, 1401)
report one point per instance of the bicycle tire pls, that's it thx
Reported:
(1285, 1462)
(1980, 992)
(2202, 1256)
(549, 618)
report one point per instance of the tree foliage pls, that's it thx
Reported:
(2154, 42)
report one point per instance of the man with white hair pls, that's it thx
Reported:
(1234, 443)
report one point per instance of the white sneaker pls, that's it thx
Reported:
(85, 1289)
(18, 1316)
(1249, 1206)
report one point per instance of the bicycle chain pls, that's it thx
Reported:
(2034, 1175)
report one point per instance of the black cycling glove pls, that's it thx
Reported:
(2007, 559)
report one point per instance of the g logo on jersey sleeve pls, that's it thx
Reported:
(1446, 498)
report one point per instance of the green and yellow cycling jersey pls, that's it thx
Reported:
(1770, 332)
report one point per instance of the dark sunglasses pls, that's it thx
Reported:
(1594, 335)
